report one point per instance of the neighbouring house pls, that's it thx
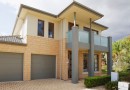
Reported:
(64, 46)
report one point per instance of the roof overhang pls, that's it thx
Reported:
(83, 13)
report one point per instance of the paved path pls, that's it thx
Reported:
(46, 84)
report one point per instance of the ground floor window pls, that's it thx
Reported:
(96, 62)
(85, 62)
(85, 59)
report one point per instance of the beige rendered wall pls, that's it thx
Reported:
(32, 26)
(82, 24)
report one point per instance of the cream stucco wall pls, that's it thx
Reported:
(82, 24)
(32, 26)
(23, 31)
(60, 25)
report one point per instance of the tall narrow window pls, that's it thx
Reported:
(86, 29)
(96, 64)
(51, 30)
(85, 66)
(40, 28)
(95, 32)
(70, 25)
(85, 62)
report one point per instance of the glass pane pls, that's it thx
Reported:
(97, 40)
(51, 30)
(104, 41)
(40, 28)
(85, 66)
(83, 36)
(70, 25)
(69, 36)
(96, 63)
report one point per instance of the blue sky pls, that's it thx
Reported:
(116, 13)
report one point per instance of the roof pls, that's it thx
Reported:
(11, 39)
(83, 7)
(57, 16)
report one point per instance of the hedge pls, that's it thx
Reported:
(124, 76)
(96, 81)
(112, 85)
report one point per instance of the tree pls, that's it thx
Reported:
(121, 54)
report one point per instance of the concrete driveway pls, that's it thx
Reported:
(46, 84)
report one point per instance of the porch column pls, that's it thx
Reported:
(91, 52)
(109, 56)
(75, 57)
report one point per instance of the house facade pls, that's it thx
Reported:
(64, 46)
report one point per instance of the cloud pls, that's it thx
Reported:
(116, 16)
(116, 12)
(46, 5)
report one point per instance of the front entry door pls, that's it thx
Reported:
(70, 64)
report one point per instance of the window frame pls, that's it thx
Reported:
(49, 29)
(86, 62)
(43, 30)
(97, 58)
(85, 29)
(70, 25)
(94, 63)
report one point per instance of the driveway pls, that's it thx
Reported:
(46, 84)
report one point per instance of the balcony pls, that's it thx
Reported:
(100, 42)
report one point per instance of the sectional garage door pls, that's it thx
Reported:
(11, 67)
(43, 67)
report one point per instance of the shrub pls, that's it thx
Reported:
(127, 79)
(96, 81)
(112, 85)
(124, 76)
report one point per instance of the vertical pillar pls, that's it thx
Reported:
(91, 52)
(100, 63)
(27, 66)
(74, 19)
(109, 56)
(75, 55)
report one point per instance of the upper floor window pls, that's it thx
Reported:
(51, 30)
(87, 29)
(70, 25)
(95, 32)
(40, 28)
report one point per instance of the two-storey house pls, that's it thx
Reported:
(64, 46)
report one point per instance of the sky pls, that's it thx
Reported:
(116, 13)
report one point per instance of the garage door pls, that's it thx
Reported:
(43, 67)
(11, 67)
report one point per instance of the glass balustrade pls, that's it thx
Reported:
(104, 41)
(84, 38)
(97, 40)
(69, 37)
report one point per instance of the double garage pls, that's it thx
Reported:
(11, 66)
